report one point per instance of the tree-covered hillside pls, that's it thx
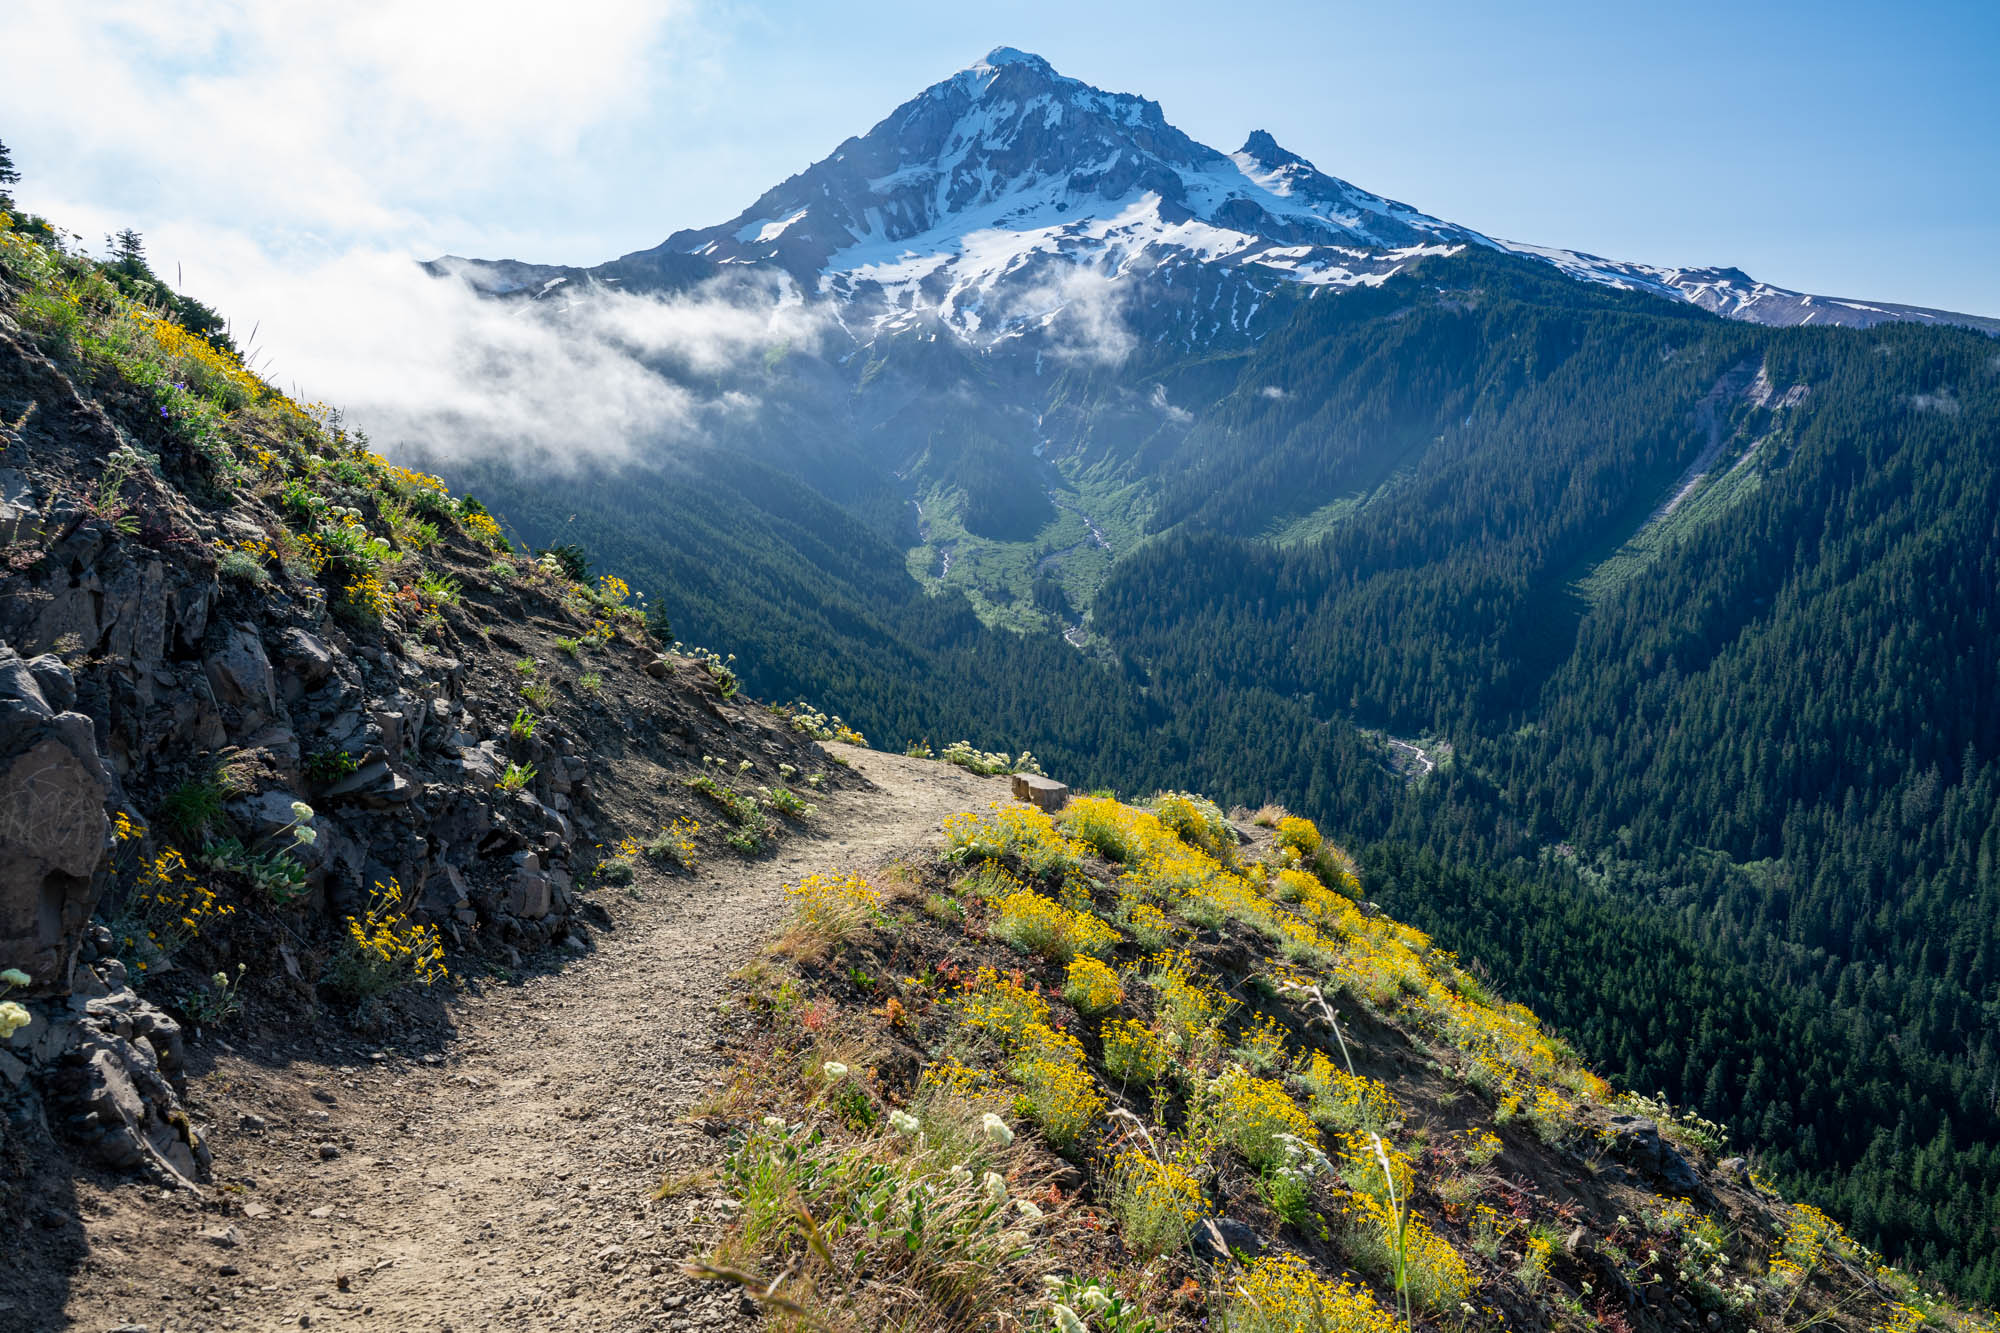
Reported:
(1703, 610)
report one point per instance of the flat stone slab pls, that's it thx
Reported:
(1043, 793)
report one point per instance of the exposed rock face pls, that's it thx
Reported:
(1637, 1142)
(53, 829)
(152, 669)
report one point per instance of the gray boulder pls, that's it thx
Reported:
(53, 830)
(1637, 1142)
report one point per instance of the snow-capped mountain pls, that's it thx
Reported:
(1008, 194)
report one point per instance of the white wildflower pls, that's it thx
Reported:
(1066, 1320)
(774, 1122)
(903, 1122)
(12, 1017)
(834, 1069)
(301, 811)
(993, 1186)
(995, 1129)
(1093, 1299)
(1028, 1210)
(14, 976)
(306, 834)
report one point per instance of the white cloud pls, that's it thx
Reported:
(1082, 310)
(290, 163)
(359, 117)
(1180, 416)
(1275, 392)
(421, 361)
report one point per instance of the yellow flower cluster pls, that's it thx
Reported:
(1133, 1052)
(677, 840)
(390, 944)
(1016, 830)
(1280, 1294)
(1059, 1094)
(482, 529)
(1056, 1085)
(1041, 926)
(1256, 1115)
(1091, 987)
(368, 597)
(1438, 1275)
(1157, 1202)
(1263, 1044)
(201, 361)
(405, 479)
(171, 907)
(611, 588)
(1190, 1010)
(834, 902)
(1197, 822)
(257, 549)
(1342, 1101)
(1001, 1006)
(1390, 965)
(125, 829)
(1809, 1236)
(1302, 835)
(960, 1082)
(1361, 1168)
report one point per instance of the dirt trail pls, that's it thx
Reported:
(507, 1185)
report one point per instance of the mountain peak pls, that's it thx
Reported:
(1267, 152)
(1009, 55)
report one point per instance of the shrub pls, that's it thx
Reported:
(330, 766)
(1280, 1294)
(194, 810)
(244, 564)
(985, 763)
(1157, 1204)
(1255, 1116)
(516, 776)
(752, 825)
(1301, 835)
(1060, 1094)
(1134, 1053)
(1198, 822)
(1091, 987)
(1013, 830)
(908, 1232)
(1041, 926)
(676, 842)
(787, 801)
(1344, 1102)
(438, 589)
(827, 909)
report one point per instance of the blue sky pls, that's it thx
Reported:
(274, 150)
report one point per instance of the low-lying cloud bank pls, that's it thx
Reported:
(588, 376)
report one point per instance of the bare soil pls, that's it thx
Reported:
(506, 1179)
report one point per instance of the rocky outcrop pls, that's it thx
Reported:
(1040, 792)
(53, 827)
(108, 1064)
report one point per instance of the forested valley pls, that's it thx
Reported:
(1693, 621)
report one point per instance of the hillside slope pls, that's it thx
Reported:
(404, 1052)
